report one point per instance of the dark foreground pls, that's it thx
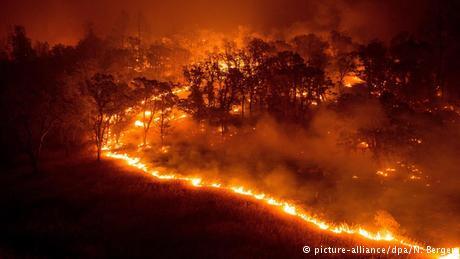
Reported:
(88, 209)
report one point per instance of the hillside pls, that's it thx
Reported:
(80, 208)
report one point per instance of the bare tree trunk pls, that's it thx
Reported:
(99, 136)
(98, 151)
(145, 137)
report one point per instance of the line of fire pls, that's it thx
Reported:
(230, 129)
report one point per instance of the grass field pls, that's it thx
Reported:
(80, 208)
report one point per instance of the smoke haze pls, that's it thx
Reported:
(64, 21)
(310, 167)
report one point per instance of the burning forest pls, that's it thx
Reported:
(319, 127)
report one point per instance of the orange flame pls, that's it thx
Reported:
(284, 206)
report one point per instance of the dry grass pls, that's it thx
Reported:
(84, 209)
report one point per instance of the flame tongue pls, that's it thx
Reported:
(284, 206)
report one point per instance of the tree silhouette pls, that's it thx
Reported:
(108, 98)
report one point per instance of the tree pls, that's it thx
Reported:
(91, 46)
(215, 84)
(34, 116)
(412, 68)
(195, 103)
(340, 43)
(31, 99)
(147, 91)
(284, 78)
(312, 49)
(123, 118)
(108, 98)
(71, 128)
(165, 101)
(257, 52)
(159, 57)
(345, 65)
(375, 62)
(21, 46)
(229, 81)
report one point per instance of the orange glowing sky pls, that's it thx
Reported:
(63, 20)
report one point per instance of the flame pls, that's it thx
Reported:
(223, 66)
(414, 177)
(235, 109)
(363, 145)
(439, 93)
(381, 173)
(196, 182)
(454, 255)
(284, 206)
(267, 199)
(138, 123)
(351, 80)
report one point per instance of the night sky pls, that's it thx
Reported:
(64, 21)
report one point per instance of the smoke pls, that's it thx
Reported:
(307, 165)
(310, 167)
(63, 21)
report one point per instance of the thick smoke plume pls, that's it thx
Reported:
(312, 167)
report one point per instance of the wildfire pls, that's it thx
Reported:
(223, 66)
(138, 123)
(284, 206)
(363, 145)
(409, 171)
(414, 177)
(279, 204)
(381, 173)
(351, 80)
(454, 255)
(386, 172)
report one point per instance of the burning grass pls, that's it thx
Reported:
(87, 209)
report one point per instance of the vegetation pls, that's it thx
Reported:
(87, 92)
(360, 132)
(50, 217)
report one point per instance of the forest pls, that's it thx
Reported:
(361, 132)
